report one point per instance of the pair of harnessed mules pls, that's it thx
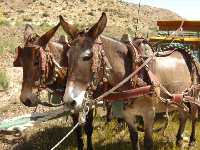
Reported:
(143, 81)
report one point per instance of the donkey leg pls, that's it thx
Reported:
(89, 129)
(109, 112)
(194, 116)
(192, 136)
(78, 131)
(182, 122)
(134, 137)
(132, 129)
(148, 129)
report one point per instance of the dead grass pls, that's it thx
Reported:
(8, 45)
(105, 136)
(3, 81)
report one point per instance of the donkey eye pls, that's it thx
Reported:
(87, 55)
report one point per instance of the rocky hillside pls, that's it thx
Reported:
(122, 16)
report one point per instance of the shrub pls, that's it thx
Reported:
(3, 20)
(3, 81)
(8, 45)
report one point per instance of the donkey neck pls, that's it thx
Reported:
(58, 51)
(118, 57)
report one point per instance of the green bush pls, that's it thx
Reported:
(3, 81)
(3, 20)
(8, 44)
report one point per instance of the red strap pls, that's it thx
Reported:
(177, 98)
(42, 59)
(133, 93)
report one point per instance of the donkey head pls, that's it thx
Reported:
(29, 58)
(80, 56)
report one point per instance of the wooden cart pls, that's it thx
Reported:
(186, 33)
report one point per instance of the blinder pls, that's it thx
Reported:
(87, 55)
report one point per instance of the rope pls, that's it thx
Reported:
(66, 136)
(82, 120)
(179, 30)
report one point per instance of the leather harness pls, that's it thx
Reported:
(131, 94)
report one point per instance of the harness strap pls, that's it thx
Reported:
(177, 98)
(42, 60)
(47, 61)
(125, 80)
(133, 93)
(153, 78)
(165, 53)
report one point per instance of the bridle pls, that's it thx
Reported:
(48, 66)
(101, 68)
(100, 73)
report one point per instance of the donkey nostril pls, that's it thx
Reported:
(27, 102)
(73, 103)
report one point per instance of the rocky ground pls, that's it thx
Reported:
(122, 17)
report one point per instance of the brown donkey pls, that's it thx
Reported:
(95, 60)
(38, 68)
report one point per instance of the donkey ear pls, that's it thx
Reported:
(17, 61)
(44, 39)
(68, 28)
(98, 28)
(27, 32)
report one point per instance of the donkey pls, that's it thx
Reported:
(34, 63)
(32, 58)
(89, 68)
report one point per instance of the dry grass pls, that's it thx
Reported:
(3, 81)
(105, 136)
